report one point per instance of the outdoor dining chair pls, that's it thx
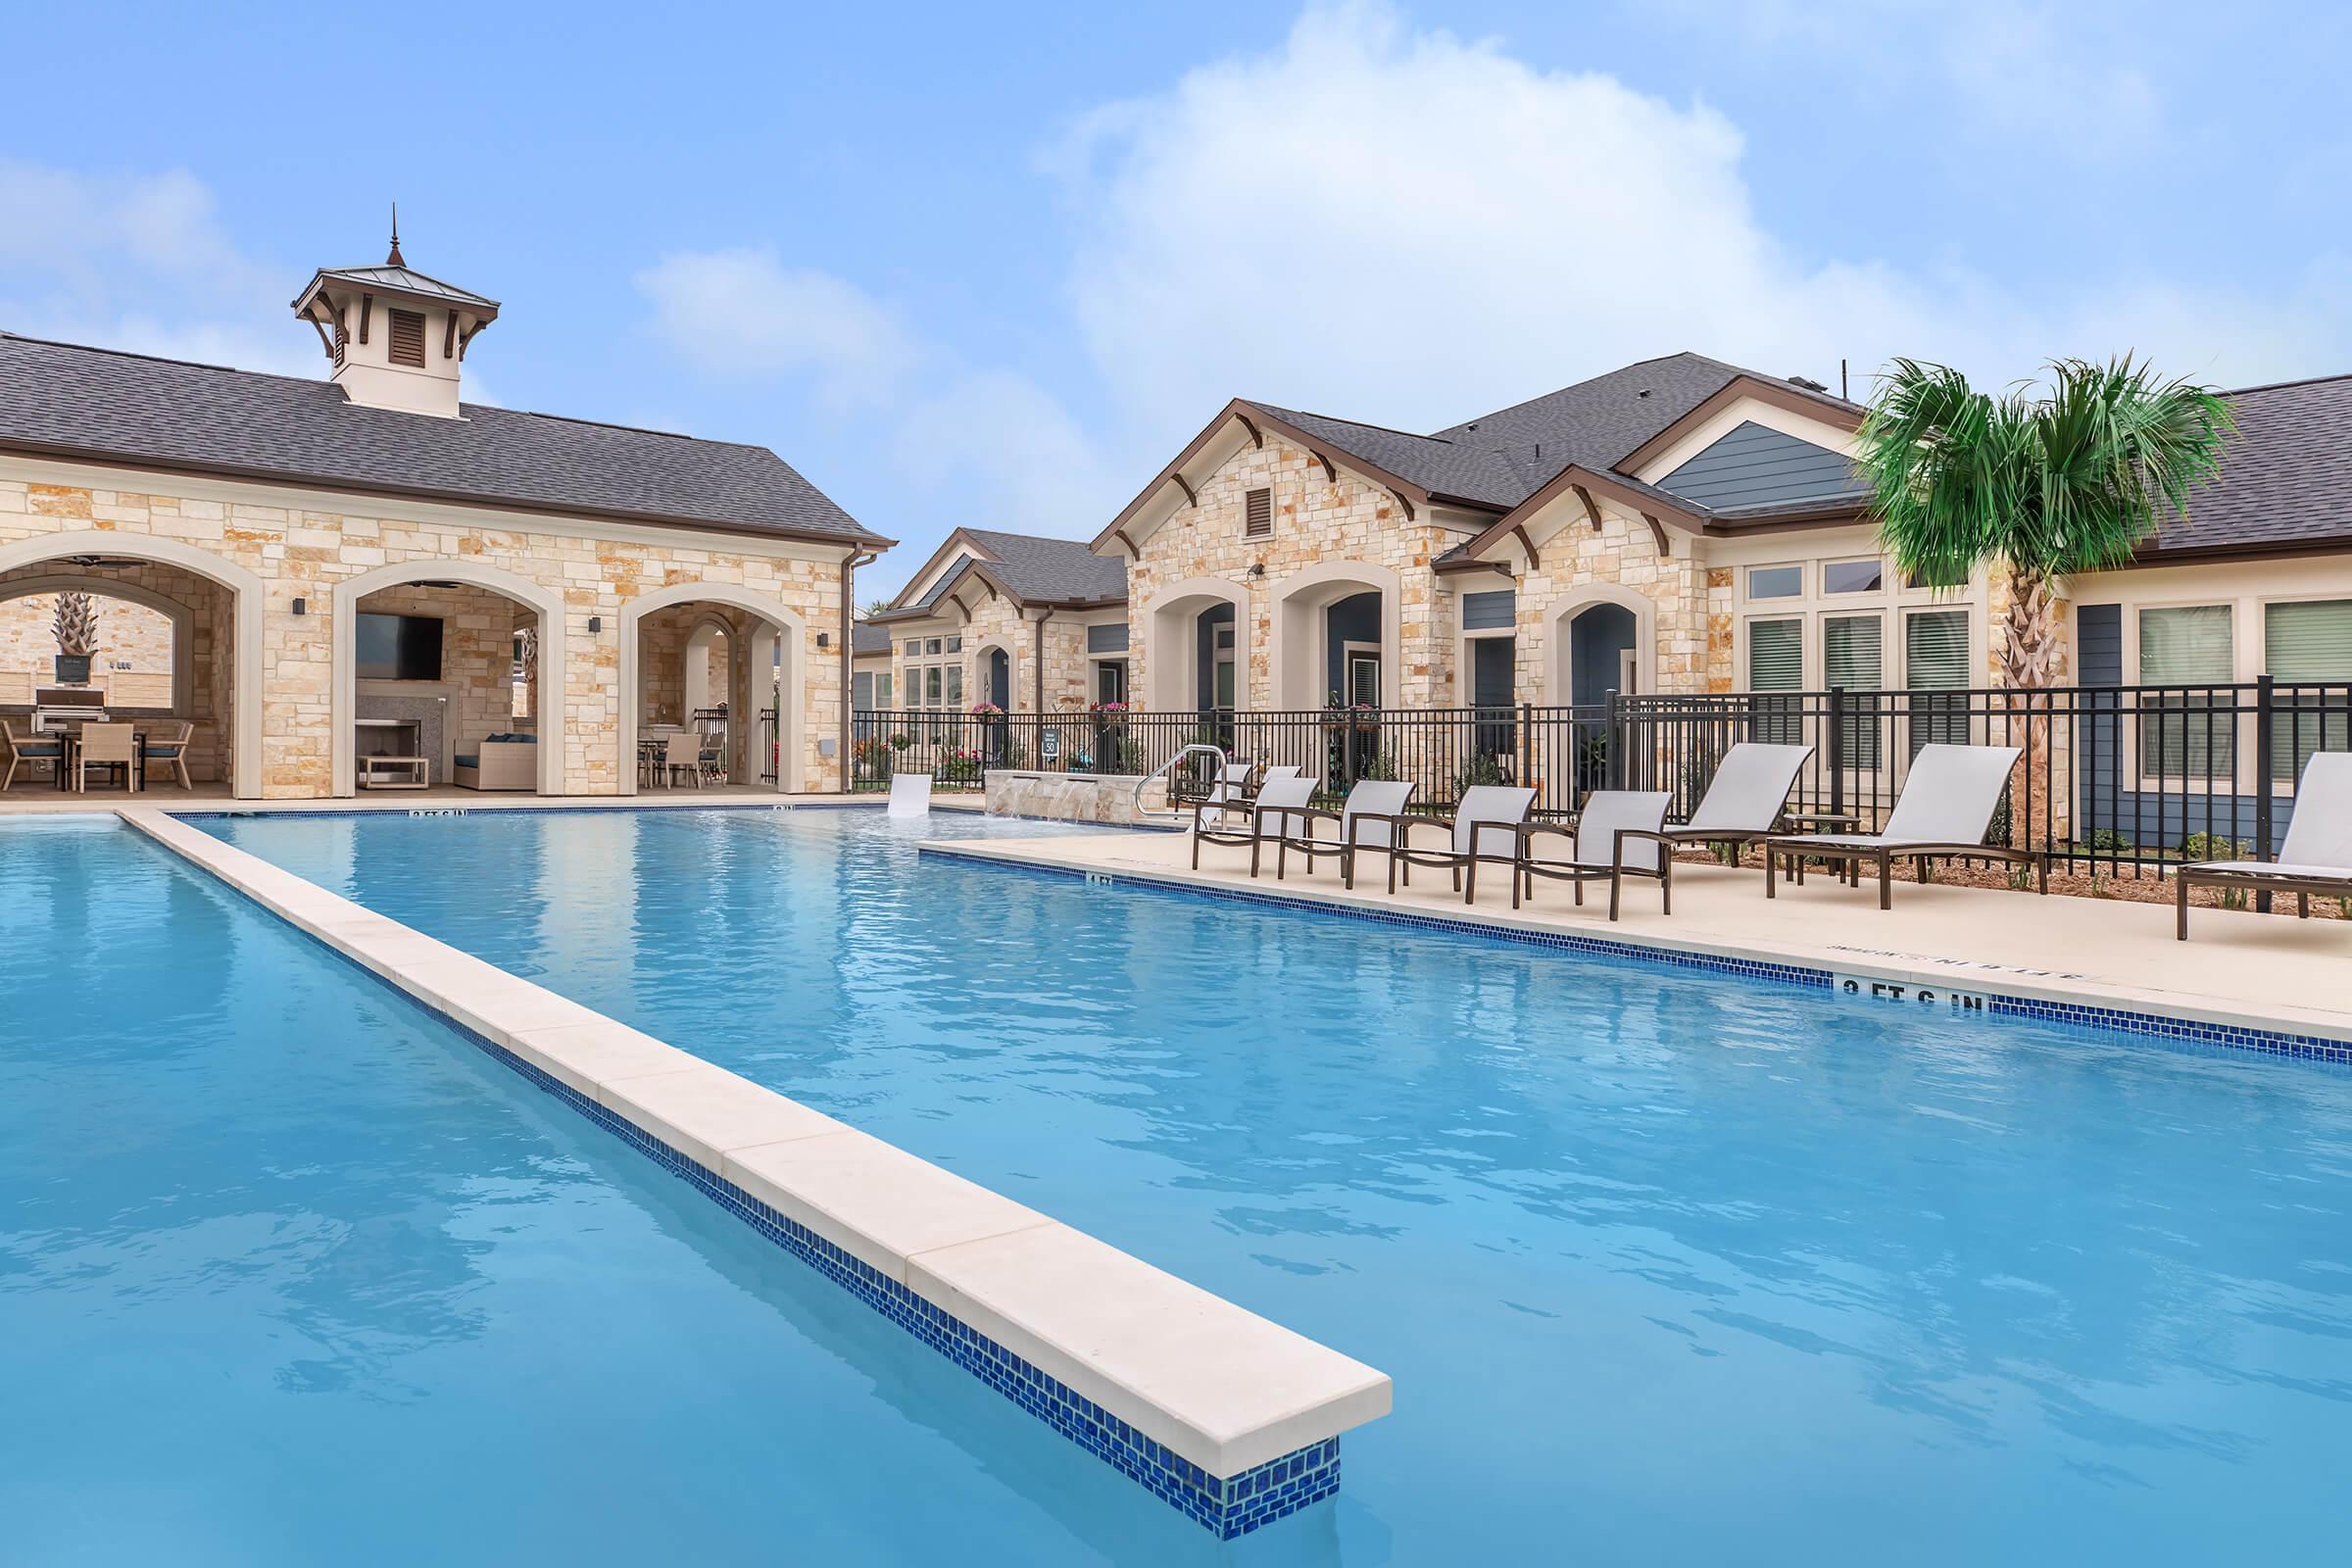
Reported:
(1618, 833)
(1943, 813)
(44, 747)
(107, 748)
(1278, 809)
(2317, 856)
(170, 747)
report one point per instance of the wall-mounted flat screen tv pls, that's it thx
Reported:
(399, 647)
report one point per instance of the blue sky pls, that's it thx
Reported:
(971, 265)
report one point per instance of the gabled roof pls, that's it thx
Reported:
(1497, 461)
(1033, 568)
(63, 400)
(868, 638)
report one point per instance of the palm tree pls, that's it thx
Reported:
(2043, 484)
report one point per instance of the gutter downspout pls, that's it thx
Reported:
(1036, 665)
(848, 638)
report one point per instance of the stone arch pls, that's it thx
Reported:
(1168, 666)
(1559, 687)
(782, 632)
(1300, 653)
(1014, 665)
(706, 625)
(547, 602)
(247, 596)
(181, 617)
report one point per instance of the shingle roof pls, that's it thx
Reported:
(68, 400)
(1061, 571)
(2286, 477)
(868, 638)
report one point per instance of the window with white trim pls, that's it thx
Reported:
(2187, 733)
(1936, 661)
(1775, 582)
(1776, 663)
(2307, 646)
(1853, 656)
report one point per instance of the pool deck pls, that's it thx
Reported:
(2239, 970)
(1254, 1406)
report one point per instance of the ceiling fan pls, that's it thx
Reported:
(104, 560)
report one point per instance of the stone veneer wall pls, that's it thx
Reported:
(1690, 606)
(132, 639)
(303, 552)
(996, 621)
(212, 636)
(477, 658)
(1317, 520)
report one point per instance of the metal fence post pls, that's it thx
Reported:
(2262, 739)
(1836, 750)
(1613, 773)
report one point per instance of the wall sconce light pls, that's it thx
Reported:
(1258, 569)
(302, 606)
(824, 639)
(595, 624)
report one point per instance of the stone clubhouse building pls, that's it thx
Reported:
(309, 572)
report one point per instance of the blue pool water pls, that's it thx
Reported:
(292, 1273)
(1667, 1267)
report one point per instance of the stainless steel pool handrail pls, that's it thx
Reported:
(1169, 768)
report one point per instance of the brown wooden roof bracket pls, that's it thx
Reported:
(1657, 531)
(1590, 510)
(1183, 485)
(1403, 500)
(1257, 437)
(449, 336)
(367, 304)
(1120, 534)
(324, 342)
(466, 340)
(1329, 473)
(1519, 531)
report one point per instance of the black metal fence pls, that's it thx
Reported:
(2123, 779)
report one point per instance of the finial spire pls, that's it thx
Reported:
(394, 260)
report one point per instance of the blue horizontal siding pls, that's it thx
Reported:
(1490, 611)
(1753, 466)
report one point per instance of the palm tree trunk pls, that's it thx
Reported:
(2027, 656)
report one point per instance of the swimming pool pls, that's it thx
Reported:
(292, 1272)
(1665, 1265)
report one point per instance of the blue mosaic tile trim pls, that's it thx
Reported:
(1231, 1507)
(2183, 1032)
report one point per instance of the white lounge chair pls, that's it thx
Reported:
(1367, 820)
(2317, 856)
(1620, 833)
(1744, 798)
(1278, 809)
(910, 795)
(1943, 813)
(1484, 826)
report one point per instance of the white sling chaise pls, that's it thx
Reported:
(1484, 826)
(1278, 809)
(2317, 856)
(1367, 820)
(910, 795)
(1744, 798)
(1620, 833)
(1943, 814)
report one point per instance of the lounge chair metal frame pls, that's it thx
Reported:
(1852, 851)
(2324, 773)
(1349, 820)
(1577, 873)
(1463, 864)
(1255, 836)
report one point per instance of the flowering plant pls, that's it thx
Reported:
(986, 711)
(1110, 710)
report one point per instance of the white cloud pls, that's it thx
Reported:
(139, 262)
(1411, 229)
(742, 314)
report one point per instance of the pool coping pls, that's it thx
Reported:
(1994, 989)
(1230, 1417)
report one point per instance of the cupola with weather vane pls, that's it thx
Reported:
(394, 337)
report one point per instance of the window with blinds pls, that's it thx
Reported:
(2187, 733)
(1853, 656)
(1936, 661)
(408, 338)
(1258, 514)
(1776, 663)
(2308, 647)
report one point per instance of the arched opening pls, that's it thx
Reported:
(448, 671)
(177, 640)
(748, 649)
(1601, 639)
(1337, 637)
(1198, 648)
(999, 678)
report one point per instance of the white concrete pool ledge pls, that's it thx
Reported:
(1209, 1381)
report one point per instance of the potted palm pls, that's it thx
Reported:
(75, 623)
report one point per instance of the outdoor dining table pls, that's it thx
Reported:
(141, 731)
